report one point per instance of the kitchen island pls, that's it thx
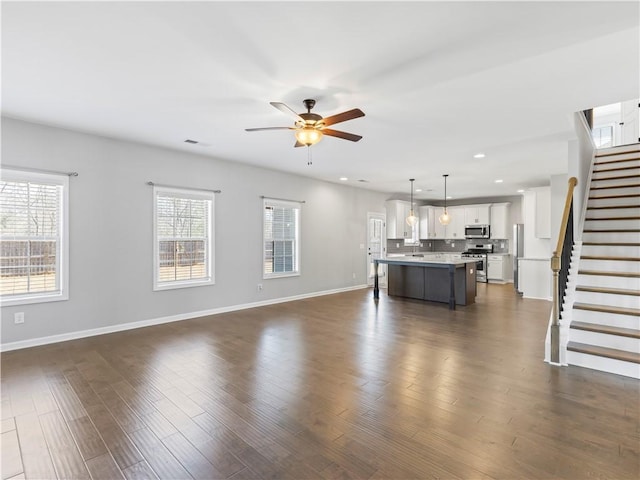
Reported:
(452, 282)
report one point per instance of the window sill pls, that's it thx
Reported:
(32, 299)
(176, 285)
(280, 275)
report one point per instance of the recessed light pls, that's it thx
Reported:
(418, 189)
(479, 155)
(449, 198)
(344, 179)
(521, 191)
(499, 181)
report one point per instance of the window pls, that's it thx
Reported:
(34, 247)
(281, 238)
(183, 246)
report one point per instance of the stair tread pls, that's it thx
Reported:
(614, 291)
(613, 244)
(606, 329)
(607, 273)
(616, 169)
(605, 219)
(606, 197)
(627, 185)
(617, 177)
(607, 309)
(623, 355)
(612, 207)
(604, 257)
(611, 230)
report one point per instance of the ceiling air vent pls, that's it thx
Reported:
(193, 142)
(363, 181)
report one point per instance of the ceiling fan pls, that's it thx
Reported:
(310, 127)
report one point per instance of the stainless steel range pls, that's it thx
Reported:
(480, 253)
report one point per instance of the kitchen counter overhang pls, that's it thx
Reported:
(452, 282)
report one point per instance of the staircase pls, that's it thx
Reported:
(604, 333)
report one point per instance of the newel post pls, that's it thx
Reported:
(555, 319)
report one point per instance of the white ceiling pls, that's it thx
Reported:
(438, 81)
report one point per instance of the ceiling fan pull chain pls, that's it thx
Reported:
(309, 161)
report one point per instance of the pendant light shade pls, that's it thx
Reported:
(445, 218)
(412, 219)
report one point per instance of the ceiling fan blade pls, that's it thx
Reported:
(339, 134)
(286, 109)
(298, 144)
(343, 117)
(268, 128)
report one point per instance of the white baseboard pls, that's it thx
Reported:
(34, 342)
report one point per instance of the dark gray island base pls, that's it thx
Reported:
(449, 282)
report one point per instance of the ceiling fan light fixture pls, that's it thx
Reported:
(308, 136)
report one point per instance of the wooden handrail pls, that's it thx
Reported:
(573, 181)
(556, 265)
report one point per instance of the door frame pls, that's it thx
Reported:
(382, 269)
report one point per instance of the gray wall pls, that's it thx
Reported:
(111, 231)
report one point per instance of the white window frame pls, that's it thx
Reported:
(62, 254)
(210, 263)
(283, 204)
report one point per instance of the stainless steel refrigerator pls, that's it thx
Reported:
(518, 252)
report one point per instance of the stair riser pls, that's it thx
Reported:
(614, 213)
(607, 202)
(611, 299)
(616, 169)
(603, 364)
(618, 150)
(605, 340)
(613, 191)
(611, 237)
(604, 182)
(609, 282)
(610, 251)
(633, 163)
(610, 266)
(609, 319)
(612, 224)
(629, 159)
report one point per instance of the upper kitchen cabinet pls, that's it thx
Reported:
(427, 218)
(455, 229)
(397, 226)
(477, 214)
(500, 221)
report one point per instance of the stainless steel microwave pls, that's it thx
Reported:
(477, 231)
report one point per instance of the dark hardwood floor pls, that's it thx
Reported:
(330, 387)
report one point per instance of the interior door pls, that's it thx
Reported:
(376, 246)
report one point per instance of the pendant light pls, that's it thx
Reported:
(412, 219)
(445, 218)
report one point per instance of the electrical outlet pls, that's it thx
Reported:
(421, 244)
(397, 245)
(453, 245)
(502, 245)
(18, 317)
(259, 287)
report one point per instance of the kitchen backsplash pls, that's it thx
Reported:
(397, 246)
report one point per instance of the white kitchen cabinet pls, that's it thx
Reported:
(427, 218)
(455, 229)
(430, 227)
(477, 214)
(499, 268)
(397, 226)
(500, 221)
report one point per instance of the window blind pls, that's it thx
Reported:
(31, 236)
(281, 238)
